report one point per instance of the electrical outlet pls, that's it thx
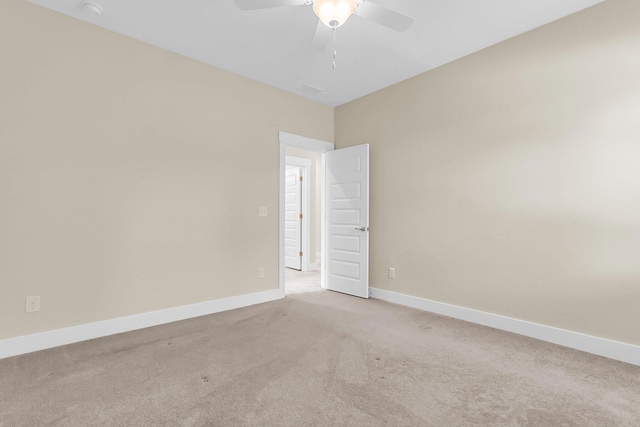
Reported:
(32, 304)
(261, 273)
(392, 273)
(262, 211)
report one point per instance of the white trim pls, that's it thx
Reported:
(313, 267)
(290, 140)
(600, 346)
(305, 170)
(49, 339)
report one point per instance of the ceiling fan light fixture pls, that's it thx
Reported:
(334, 13)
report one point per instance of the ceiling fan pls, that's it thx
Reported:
(333, 13)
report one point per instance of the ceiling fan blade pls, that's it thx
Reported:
(267, 4)
(388, 18)
(322, 36)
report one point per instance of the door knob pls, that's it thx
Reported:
(362, 228)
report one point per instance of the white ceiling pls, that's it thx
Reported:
(273, 46)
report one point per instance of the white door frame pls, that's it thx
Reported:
(290, 140)
(305, 171)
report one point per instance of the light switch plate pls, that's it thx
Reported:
(262, 211)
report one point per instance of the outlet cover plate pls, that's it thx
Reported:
(32, 304)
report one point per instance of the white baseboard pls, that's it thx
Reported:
(313, 267)
(43, 340)
(600, 346)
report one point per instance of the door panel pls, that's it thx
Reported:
(347, 216)
(292, 221)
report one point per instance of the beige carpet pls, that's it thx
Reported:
(317, 358)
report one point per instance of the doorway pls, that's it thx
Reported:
(343, 215)
(302, 251)
(307, 154)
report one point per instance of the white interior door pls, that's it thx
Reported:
(347, 219)
(292, 220)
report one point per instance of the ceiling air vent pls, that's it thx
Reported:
(309, 90)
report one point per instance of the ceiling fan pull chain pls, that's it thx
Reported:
(335, 52)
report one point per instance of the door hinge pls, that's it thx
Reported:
(300, 216)
(300, 178)
(300, 253)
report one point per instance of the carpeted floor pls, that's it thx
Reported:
(317, 358)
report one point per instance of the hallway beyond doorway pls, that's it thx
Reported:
(297, 282)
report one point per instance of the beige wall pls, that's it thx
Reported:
(130, 177)
(509, 181)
